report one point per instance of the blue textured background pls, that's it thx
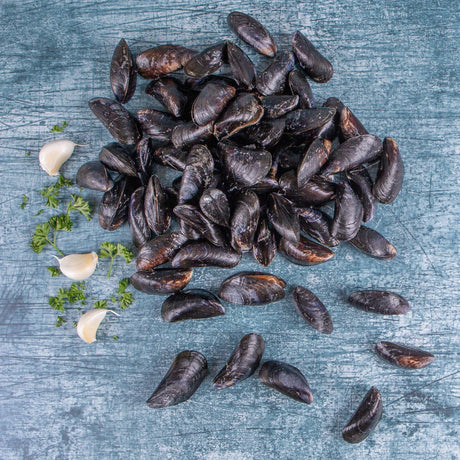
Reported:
(396, 66)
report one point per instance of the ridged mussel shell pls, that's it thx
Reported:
(373, 243)
(205, 254)
(123, 73)
(94, 176)
(383, 302)
(304, 252)
(312, 310)
(245, 219)
(403, 356)
(161, 280)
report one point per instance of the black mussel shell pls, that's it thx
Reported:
(187, 134)
(332, 129)
(116, 158)
(168, 91)
(316, 224)
(312, 161)
(266, 133)
(303, 120)
(187, 230)
(159, 250)
(282, 216)
(383, 302)
(316, 66)
(403, 356)
(94, 176)
(185, 375)
(252, 288)
(140, 231)
(350, 126)
(161, 60)
(211, 101)
(191, 304)
(143, 159)
(286, 379)
(171, 157)
(243, 361)
(123, 73)
(273, 79)
(119, 122)
(161, 280)
(252, 32)
(352, 153)
(299, 85)
(304, 252)
(156, 207)
(245, 219)
(373, 243)
(361, 182)
(243, 70)
(205, 254)
(365, 419)
(207, 62)
(215, 206)
(278, 105)
(156, 124)
(390, 174)
(312, 310)
(348, 213)
(264, 247)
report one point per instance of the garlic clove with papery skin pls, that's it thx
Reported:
(54, 154)
(89, 322)
(78, 267)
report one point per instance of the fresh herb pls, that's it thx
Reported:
(42, 237)
(59, 129)
(72, 295)
(74, 324)
(77, 203)
(39, 213)
(54, 271)
(126, 298)
(60, 321)
(100, 304)
(115, 337)
(27, 154)
(25, 200)
(110, 250)
(51, 192)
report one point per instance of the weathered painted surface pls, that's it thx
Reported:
(396, 67)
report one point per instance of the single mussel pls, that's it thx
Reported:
(273, 79)
(94, 176)
(316, 66)
(278, 105)
(303, 120)
(143, 159)
(116, 158)
(156, 207)
(312, 310)
(156, 124)
(361, 183)
(316, 224)
(286, 379)
(123, 73)
(266, 133)
(187, 230)
(252, 288)
(242, 68)
(161, 60)
(119, 122)
(390, 174)
(185, 375)
(312, 161)
(207, 62)
(264, 246)
(383, 302)
(299, 85)
(373, 243)
(168, 91)
(403, 356)
(205, 254)
(282, 216)
(252, 32)
(365, 419)
(171, 157)
(243, 361)
(350, 126)
(187, 134)
(244, 221)
(215, 206)
(140, 231)
(304, 252)
(161, 280)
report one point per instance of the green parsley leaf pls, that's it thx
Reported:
(27, 154)
(25, 200)
(122, 285)
(115, 337)
(60, 321)
(59, 129)
(39, 213)
(126, 300)
(71, 295)
(76, 292)
(79, 204)
(110, 250)
(124, 252)
(51, 192)
(54, 271)
(60, 222)
(41, 237)
(100, 304)
(74, 324)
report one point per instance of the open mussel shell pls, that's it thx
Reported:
(185, 375)
(316, 66)
(207, 62)
(187, 134)
(252, 32)
(170, 157)
(348, 213)
(304, 252)
(215, 206)
(361, 182)
(159, 250)
(273, 79)
(116, 158)
(140, 231)
(168, 92)
(383, 302)
(312, 161)
(252, 288)
(312, 310)
(119, 122)
(94, 176)
(205, 254)
(156, 207)
(264, 246)
(123, 73)
(303, 120)
(365, 419)
(191, 304)
(197, 173)
(161, 280)
(350, 126)
(373, 243)
(242, 68)
(156, 124)
(245, 110)
(316, 224)
(278, 105)
(390, 174)
(299, 85)
(161, 60)
(352, 153)
(403, 356)
(266, 133)
(283, 218)
(243, 361)
(286, 379)
(245, 219)
(211, 101)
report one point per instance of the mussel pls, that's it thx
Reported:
(116, 158)
(187, 134)
(361, 182)
(94, 176)
(312, 310)
(205, 254)
(273, 79)
(282, 216)
(264, 246)
(383, 302)
(156, 124)
(156, 207)
(140, 231)
(299, 85)
(123, 73)
(316, 224)
(304, 252)
(244, 221)
(242, 68)
(169, 92)
(350, 126)
(304, 120)
(161, 280)
(403, 356)
(171, 157)
(207, 62)
(215, 206)
(373, 243)
(312, 161)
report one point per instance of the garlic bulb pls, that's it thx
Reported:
(78, 267)
(54, 154)
(89, 322)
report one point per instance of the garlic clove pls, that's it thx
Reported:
(89, 322)
(54, 154)
(78, 267)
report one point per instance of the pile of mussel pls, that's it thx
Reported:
(259, 161)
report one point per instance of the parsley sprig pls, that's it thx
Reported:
(126, 298)
(110, 250)
(71, 295)
(59, 128)
(51, 192)
(25, 200)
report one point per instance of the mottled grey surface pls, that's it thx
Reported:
(396, 66)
